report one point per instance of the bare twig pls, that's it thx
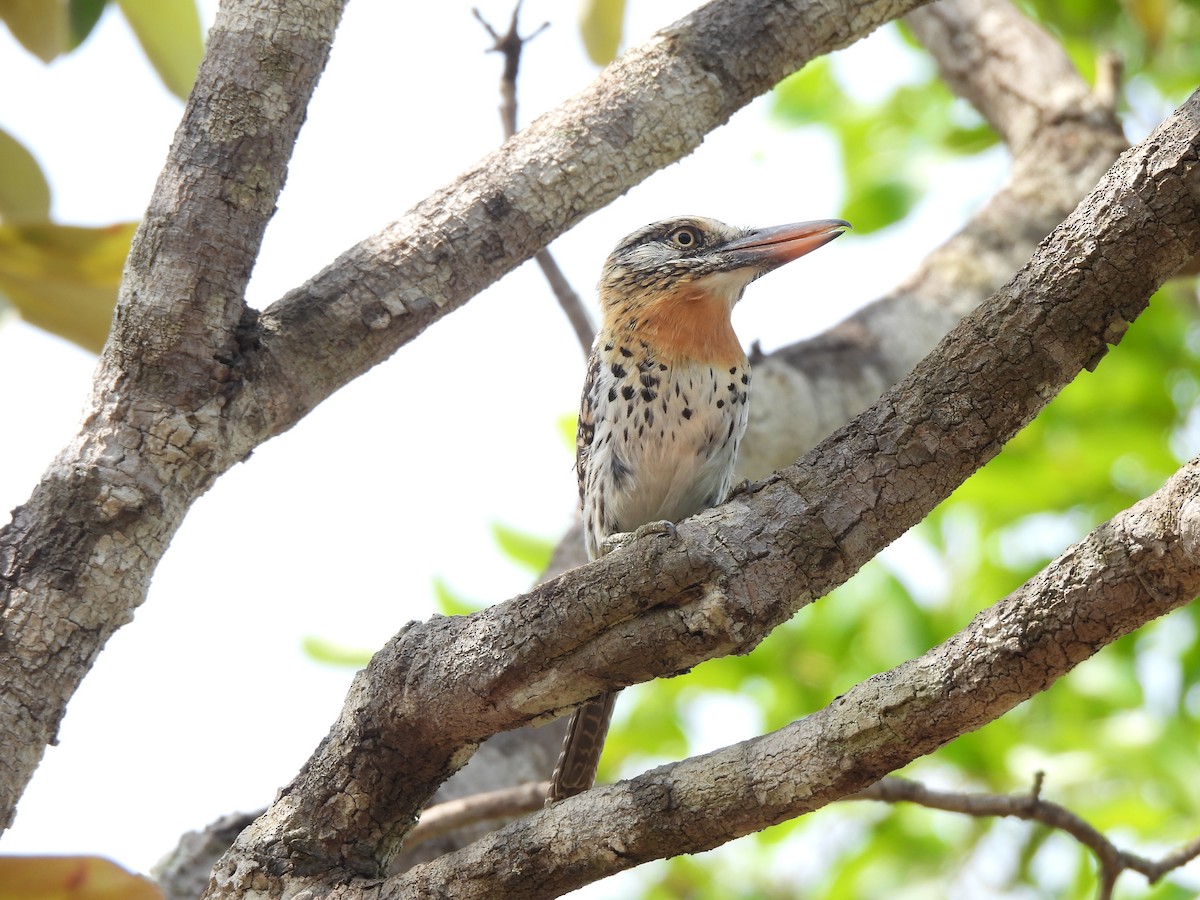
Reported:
(510, 45)
(502, 804)
(1032, 808)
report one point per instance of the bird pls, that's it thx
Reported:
(665, 399)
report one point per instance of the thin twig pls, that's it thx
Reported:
(502, 804)
(510, 44)
(528, 797)
(1031, 807)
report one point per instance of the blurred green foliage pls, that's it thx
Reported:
(1116, 738)
(891, 143)
(884, 143)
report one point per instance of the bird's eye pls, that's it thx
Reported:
(686, 238)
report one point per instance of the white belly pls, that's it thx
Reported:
(664, 445)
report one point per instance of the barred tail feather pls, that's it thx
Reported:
(576, 768)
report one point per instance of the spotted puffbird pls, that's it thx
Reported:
(664, 404)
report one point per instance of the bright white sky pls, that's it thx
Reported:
(206, 704)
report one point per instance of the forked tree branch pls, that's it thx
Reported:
(511, 44)
(1032, 807)
(730, 575)
(803, 392)
(77, 557)
(192, 381)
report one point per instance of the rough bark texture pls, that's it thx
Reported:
(77, 557)
(190, 382)
(729, 575)
(1140, 565)
(1062, 138)
(651, 107)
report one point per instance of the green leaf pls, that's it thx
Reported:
(601, 23)
(872, 205)
(567, 424)
(24, 191)
(810, 95)
(450, 603)
(527, 550)
(64, 278)
(82, 18)
(169, 32)
(332, 654)
(39, 25)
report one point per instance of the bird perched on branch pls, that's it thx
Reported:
(664, 404)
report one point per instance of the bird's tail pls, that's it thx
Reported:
(576, 767)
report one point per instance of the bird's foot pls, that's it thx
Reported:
(624, 538)
(742, 487)
(745, 486)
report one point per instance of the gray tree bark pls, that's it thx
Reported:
(191, 381)
(662, 605)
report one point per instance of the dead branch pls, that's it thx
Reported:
(1032, 807)
(510, 44)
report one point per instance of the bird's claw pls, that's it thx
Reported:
(621, 539)
(745, 486)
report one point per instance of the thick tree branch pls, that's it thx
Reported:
(1136, 567)
(190, 383)
(804, 392)
(1031, 807)
(1062, 140)
(651, 107)
(78, 556)
(731, 574)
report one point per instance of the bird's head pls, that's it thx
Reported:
(690, 271)
(695, 253)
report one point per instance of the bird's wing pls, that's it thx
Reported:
(585, 432)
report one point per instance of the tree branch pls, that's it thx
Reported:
(469, 810)
(1062, 140)
(802, 393)
(77, 557)
(1150, 559)
(510, 44)
(648, 109)
(1032, 808)
(191, 382)
(729, 575)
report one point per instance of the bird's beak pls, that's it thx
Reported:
(765, 249)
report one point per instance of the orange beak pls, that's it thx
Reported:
(765, 249)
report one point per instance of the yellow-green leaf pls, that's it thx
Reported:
(600, 26)
(451, 603)
(169, 32)
(24, 191)
(332, 654)
(566, 425)
(1151, 17)
(64, 278)
(83, 16)
(39, 25)
(528, 550)
(71, 878)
